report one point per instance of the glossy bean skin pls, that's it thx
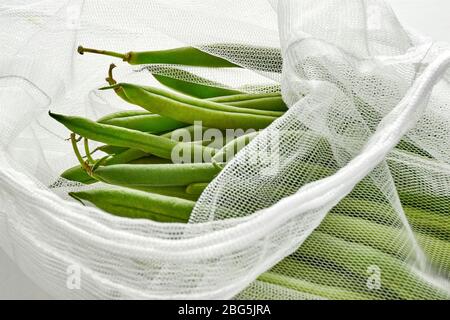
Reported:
(156, 175)
(122, 137)
(151, 123)
(130, 203)
(266, 101)
(184, 111)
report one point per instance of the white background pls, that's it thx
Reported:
(429, 17)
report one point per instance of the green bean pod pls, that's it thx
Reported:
(196, 86)
(123, 114)
(132, 203)
(151, 123)
(396, 274)
(122, 137)
(336, 281)
(177, 191)
(393, 241)
(111, 150)
(150, 160)
(310, 287)
(188, 109)
(204, 103)
(233, 147)
(261, 58)
(188, 56)
(78, 174)
(427, 222)
(196, 188)
(156, 175)
(259, 101)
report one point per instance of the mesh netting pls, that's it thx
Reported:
(346, 196)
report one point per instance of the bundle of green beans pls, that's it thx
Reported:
(146, 182)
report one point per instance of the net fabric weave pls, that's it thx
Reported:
(352, 180)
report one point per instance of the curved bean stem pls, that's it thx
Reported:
(87, 152)
(111, 81)
(80, 174)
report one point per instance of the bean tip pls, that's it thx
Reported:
(75, 196)
(80, 50)
(114, 86)
(55, 116)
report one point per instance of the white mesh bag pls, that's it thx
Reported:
(346, 196)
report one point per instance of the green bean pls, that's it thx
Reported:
(252, 57)
(185, 134)
(196, 86)
(110, 149)
(204, 103)
(260, 101)
(123, 114)
(233, 147)
(391, 240)
(312, 288)
(156, 175)
(426, 222)
(132, 203)
(151, 123)
(122, 137)
(255, 57)
(397, 276)
(196, 188)
(185, 56)
(188, 109)
(323, 273)
(177, 191)
(77, 173)
(111, 81)
(188, 134)
(150, 160)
